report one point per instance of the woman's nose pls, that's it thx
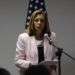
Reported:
(39, 21)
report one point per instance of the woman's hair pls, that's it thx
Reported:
(31, 28)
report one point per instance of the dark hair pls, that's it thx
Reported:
(3, 71)
(31, 23)
(37, 69)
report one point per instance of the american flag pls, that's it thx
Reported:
(34, 5)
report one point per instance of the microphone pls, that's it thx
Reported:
(48, 38)
(59, 51)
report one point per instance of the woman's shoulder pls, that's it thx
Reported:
(53, 36)
(23, 35)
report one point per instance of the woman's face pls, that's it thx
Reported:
(39, 23)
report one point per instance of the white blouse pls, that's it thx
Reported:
(26, 50)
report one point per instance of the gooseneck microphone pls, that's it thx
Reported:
(59, 50)
(48, 38)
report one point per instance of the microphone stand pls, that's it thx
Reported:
(59, 53)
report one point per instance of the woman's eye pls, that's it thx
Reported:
(36, 20)
(41, 20)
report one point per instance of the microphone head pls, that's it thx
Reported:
(48, 38)
(46, 35)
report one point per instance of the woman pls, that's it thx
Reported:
(28, 42)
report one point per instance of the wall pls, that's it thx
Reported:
(62, 16)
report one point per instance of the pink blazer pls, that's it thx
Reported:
(26, 50)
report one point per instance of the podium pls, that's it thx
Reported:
(51, 66)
